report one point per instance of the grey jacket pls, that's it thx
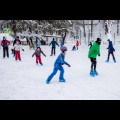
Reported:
(38, 53)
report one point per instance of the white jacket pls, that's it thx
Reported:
(17, 47)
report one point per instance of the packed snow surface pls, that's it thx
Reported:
(26, 81)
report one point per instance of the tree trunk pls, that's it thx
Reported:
(91, 29)
(84, 30)
(63, 37)
(117, 27)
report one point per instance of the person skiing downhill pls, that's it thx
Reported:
(111, 51)
(92, 54)
(54, 43)
(58, 66)
(37, 53)
(5, 43)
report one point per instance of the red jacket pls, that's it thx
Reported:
(77, 43)
(5, 43)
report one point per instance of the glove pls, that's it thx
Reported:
(32, 55)
(99, 55)
(22, 49)
(68, 65)
(45, 55)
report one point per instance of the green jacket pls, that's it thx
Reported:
(94, 51)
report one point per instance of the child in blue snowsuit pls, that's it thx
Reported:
(110, 51)
(58, 66)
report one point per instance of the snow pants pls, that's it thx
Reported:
(17, 55)
(38, 59)
(56, 68)
(5, 50)
(111, 54)
(53, 49)
(93, 63)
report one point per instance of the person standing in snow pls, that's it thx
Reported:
(93, 52)
(5, 43)
(111, 51)
(37, 42)
(77, 44)
(53, 43)
(37, 53)
(14, 42)
(58, 66)
(17, 48)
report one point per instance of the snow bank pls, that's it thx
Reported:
(8, 37)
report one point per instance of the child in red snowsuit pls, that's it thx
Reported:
(38, 52)
(17, 48)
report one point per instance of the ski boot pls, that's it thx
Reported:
(41, 64)
(107, 60)
(114, 61)
(92, 74)
(95, 72)
(47, 81)
(62, 80)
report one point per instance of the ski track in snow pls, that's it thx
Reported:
(26, 81)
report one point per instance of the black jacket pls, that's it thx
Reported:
(16, 41)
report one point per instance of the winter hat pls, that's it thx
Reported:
(38, 47)
(63, 48)
(3, 37)
(98, 40)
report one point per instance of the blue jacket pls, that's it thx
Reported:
(110, 47)
(60, 60)
(54, 43)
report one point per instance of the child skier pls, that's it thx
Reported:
(38, 52)
(93, 52)
(17, 48)
(110, 51)
(58, 66)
